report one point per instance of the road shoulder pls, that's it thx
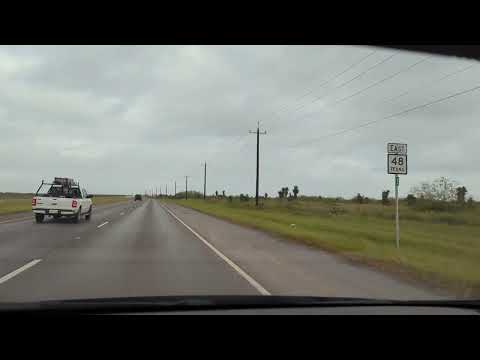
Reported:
(290, 268)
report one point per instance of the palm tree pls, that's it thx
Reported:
(295, 191)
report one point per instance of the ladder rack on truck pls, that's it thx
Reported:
(65, 183)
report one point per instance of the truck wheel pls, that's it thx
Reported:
(39, 218)
(89, 214)
(76, 218)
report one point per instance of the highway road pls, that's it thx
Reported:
(153, 249)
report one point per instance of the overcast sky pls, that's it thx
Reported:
(123, 119)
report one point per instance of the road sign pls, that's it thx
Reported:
(396, 148)
(397, 164)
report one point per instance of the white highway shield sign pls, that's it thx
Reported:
(395, 148)
(397, 164)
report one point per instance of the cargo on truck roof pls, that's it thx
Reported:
(64, 181)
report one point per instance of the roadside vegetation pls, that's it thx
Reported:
(439, 240)
(11, 203)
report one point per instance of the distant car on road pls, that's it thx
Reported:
(138, 197)
(62, 198)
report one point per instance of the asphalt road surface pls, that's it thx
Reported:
(153, 249)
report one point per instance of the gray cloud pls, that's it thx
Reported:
(122, 119)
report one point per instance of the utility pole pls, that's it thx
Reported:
(166, 191)
(186, 187)
(205, 182)
(258, 157)
(175, 188)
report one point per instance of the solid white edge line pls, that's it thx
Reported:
(237, 268)
(19, 270)
(105, 223)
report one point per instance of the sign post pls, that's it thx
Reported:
(397, 224)
(397, 164)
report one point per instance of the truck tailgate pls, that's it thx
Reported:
(53, 204)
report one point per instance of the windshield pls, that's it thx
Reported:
(332, 171)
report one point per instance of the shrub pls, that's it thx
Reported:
(470, 202)
(435, 205)
(358, 199)
(411, 200)
(385, 200)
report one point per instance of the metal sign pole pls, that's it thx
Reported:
(397, 181)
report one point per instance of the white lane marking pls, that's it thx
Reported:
(105, 223)
(237, 268)
(19, 270)
(16, 220)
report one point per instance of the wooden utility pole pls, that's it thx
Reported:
(258, 158)
(205, 182)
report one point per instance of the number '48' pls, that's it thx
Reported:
(399, 162)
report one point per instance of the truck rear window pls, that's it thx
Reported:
(59, 191)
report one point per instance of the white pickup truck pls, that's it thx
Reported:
(62, 198)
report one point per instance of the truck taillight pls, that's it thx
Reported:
(34, 202)
(74, 203)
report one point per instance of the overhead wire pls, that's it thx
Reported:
(446, 76)
(350, 80)
(333, 78)
(392, 115)
(382, 80)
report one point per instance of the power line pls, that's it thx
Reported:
(333, 78)
(393, 115)
(347, 82)
(382, 80)
(352, 79)
(458, 71)
(324, 83)
(371, 53)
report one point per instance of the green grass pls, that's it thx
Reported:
(110, 199)
(12, 206)
(440, 247)
(17, 205)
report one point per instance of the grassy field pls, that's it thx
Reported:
(440, 247)
(19, 204)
